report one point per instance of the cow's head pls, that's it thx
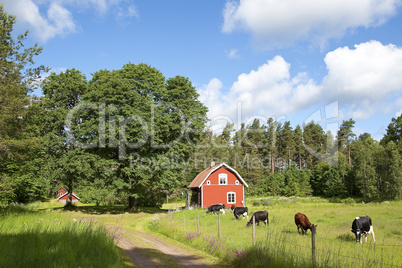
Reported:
(249, 223)
(358, 234)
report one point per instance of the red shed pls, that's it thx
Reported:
(62, 196)
(218, 184)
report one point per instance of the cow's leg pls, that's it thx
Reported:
(223, 211)
(372, 232)
(298, 229)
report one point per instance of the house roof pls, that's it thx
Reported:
(60, 189)
(202, 176)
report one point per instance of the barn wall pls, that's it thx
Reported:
(216, 194)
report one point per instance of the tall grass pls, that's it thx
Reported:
(31, 239)
(279, 244)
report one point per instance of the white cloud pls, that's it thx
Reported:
(363, 81)
(364, 76)
(232, 54)
(49, 18)
(58, 21)
(278, 23)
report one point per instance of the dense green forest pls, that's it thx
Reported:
(133, 135)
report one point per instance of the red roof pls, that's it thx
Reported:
(202, 176)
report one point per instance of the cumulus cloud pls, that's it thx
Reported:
(58, 20)
(48, 19)
(279, 23)
(364, 76)
(363, 81)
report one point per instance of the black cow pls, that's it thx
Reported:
(238, 211)
(216, 208)
(362, 226)
(259, 216)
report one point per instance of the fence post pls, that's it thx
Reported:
(219, 225)
(173, 216)
(313, 245)
(253, 230)
(198, 222)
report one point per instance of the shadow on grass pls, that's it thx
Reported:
(108, 209)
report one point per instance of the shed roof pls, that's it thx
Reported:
(203, 175)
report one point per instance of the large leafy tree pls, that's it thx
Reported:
(67, 164)
(146, 124)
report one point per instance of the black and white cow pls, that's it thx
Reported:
(238, 211)
(362, 226)
(259, 216)
(216, 208)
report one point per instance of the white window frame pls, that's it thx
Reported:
(223, 176)
(234, 197)
(208, 182)
(237, 182)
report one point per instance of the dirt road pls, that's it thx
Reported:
(147, 250)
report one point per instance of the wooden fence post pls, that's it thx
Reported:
(219, 225)
(313, 245)
(198, 222)
(253, 230)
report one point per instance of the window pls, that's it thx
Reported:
(237, 182)
(231, 198)
(208, 182)
(223, 178)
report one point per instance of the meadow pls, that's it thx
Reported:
(279, 244)
(30, 238)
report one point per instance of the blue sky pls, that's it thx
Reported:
(294, 60)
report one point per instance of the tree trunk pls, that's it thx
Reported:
(69, 201)
(131, 201)
(300, 162)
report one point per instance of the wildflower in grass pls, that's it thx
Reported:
(193, 235)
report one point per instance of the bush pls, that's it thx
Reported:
(348, 201)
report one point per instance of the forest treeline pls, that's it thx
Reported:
(133, 136)
(277, 159)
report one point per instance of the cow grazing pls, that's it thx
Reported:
(233, 207)
(303, 223)
(238, 211)
(259, 216)
(362, 226)
(216, 208)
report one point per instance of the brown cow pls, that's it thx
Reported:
(302, 222)
(233, 207)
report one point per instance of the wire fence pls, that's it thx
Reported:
(316, 253)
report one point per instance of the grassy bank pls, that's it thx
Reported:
(279, 245)
(47, 239)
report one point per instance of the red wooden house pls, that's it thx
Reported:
(218, 184)
(62, 196)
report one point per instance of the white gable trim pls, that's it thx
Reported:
(67, 194)
(228, 167)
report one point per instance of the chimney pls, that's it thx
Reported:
(212, 163)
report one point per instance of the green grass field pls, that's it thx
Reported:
(50, 239)
(279, 244)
